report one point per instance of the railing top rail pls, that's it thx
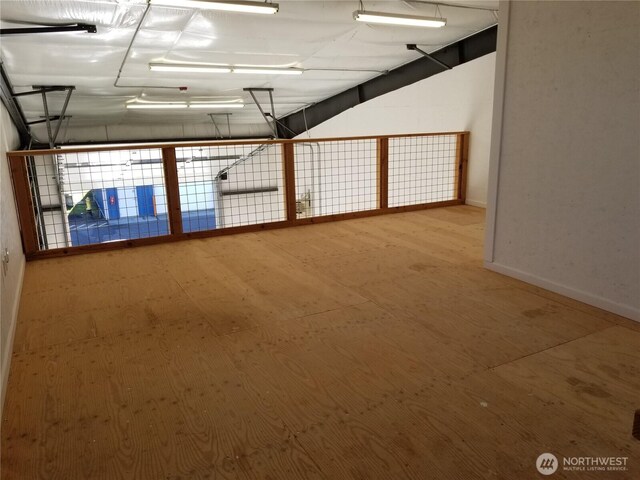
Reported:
(218, 143)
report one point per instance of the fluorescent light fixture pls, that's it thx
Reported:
(200, 68)
(216, 106)
(238, 6)
(397, 19)
(268, 70)
(188, 67)
(155, 106)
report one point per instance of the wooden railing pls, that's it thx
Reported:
(77, 200)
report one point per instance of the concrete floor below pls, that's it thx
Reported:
(88, 230)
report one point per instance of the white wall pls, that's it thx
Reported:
(11, 282)
(262, 170)
(455, 100)
(336, 177)
(566, 162)
(196, 196)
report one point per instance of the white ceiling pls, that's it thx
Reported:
(312, 35)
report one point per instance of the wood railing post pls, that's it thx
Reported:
(24, 203)
(383, 172)
(172, 189)
(462, 160)
(288, 161)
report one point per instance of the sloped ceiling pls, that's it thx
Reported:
(318, 36)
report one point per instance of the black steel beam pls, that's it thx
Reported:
(13, 107)
(78, 27)
(413, 46)
(51, 119)
(470, 48)
(38, 90)
(225, 193)
(257, 89)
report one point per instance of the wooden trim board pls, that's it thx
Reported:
(58, 151)
(141, 242)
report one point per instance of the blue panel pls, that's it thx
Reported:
(98, 197)
(145, 200)
(198, 220)
(112, 203)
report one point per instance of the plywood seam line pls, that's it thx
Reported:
(614, 325)
(309, 455)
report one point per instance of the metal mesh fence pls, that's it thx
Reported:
(97, 197)
(335, 177)
(422, 169)
(230, 186)
(104, 196)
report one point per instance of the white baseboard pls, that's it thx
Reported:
(475, 203)
(8, 348)
(585, 297)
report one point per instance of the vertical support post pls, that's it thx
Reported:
(62, 114)
(289, 181)
(18, 167)
(215, 125)
(273, 114)
(172, 188)
(462, 160)
(383, 172)
(47, 119)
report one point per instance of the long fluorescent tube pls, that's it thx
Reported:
(198, 68)
(187, 67)
(216, 105)
(397, 19)
(238, 6)
(268, 70)
(155, 106)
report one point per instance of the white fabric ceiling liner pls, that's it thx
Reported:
(320, 37)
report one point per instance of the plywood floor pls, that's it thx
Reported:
(366, 349)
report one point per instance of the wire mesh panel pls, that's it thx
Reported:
(230, 185)
(93, 197)
(422, 169)
(334, 177)
(97, 197)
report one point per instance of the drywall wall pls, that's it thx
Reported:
(260, 169)
(566, 162)
(11, 277)
(455, 100)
